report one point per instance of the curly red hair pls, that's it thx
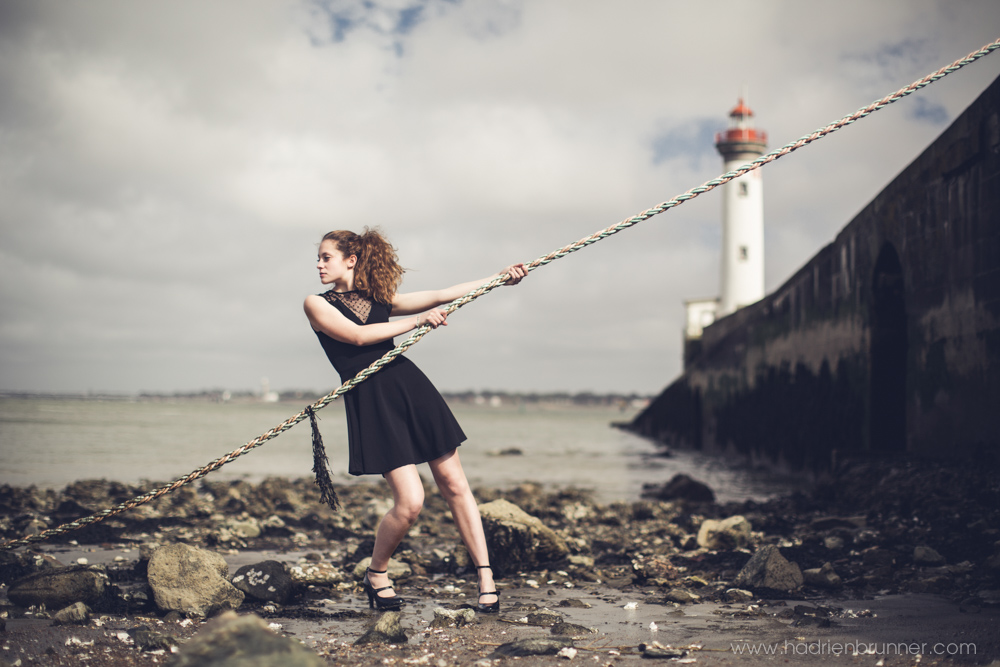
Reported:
(377, 274)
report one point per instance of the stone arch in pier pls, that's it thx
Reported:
(887, 354)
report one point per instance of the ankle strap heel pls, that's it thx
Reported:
(376, 601)
(494, 607)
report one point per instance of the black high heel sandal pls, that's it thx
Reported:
(375, 601)
(493, 607)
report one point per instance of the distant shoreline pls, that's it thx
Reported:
(486, 398)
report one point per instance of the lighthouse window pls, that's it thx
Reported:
(743, 189)
(743, 253)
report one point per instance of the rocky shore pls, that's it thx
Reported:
(254, 571)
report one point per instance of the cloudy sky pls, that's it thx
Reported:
(167, 169)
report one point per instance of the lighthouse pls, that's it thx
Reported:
(742, 267)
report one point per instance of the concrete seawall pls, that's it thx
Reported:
(887, 341)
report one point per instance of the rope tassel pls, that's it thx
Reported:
(321, 466)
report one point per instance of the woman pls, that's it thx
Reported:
(396, 419)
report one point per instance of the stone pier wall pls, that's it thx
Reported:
(886, 341)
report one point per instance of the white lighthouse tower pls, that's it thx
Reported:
(742, 266)
(742, 280)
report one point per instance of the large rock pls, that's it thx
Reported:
(147, 639)
(731, 533)
(242, 641)
(267, 581)
(769, 570)
(386, 630)
(737, 595)
(247, 528)
(657, 651)
(446, 618)
(60, 587)
(824, 577)
(15, 565)
(572, 630)
(681, 596)
(517, 540)
(926, 556)
(191, 581)
(532, 646)
(877, 558)
(75, 614)
(656, 569)
(681, 487)
(543, 618)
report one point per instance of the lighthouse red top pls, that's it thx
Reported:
(741, 135)
(741, 110)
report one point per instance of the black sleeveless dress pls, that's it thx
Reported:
(396, 417)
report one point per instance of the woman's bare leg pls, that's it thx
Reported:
(454, 487)
(408, 499)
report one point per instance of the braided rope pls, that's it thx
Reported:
(496, 282)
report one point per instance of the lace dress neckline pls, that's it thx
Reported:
(359, 305)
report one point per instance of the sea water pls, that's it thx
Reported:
(52, 442)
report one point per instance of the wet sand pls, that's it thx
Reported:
(893, 610)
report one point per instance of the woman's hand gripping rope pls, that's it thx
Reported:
(515, 273)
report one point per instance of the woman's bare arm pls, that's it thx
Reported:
(418, 302)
